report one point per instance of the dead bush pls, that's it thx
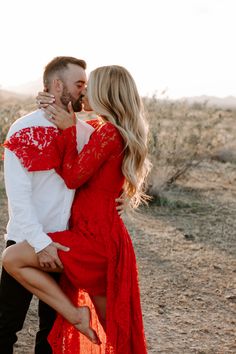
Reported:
(181, 136)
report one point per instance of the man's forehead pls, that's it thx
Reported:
(80, 81)
(77, 72)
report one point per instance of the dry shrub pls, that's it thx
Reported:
(10, 110)
(226, 154)
(181, 136)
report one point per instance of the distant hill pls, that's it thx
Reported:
(33, 87)
(223, 102)
(29, 88)
(9, 95)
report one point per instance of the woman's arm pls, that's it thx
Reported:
(76, 168)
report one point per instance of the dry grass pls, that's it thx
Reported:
(185, 240)
(182, 136)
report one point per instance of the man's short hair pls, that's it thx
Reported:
(59, 64)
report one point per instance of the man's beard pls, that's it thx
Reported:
(66, 97)
(77, 105)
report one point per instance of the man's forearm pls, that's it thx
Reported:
(24, 221)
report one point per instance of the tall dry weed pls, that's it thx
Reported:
(10, 110)
(181, 136)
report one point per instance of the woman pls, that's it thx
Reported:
(101, 261)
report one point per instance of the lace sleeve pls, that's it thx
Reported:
(35, 148)
(76, 168)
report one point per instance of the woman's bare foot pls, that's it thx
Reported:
(83, 325)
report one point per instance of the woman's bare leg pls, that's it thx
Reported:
(100, 303)
(21, 262)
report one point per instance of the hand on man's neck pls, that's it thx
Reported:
(58, 100)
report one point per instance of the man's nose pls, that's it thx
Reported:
(84, 92)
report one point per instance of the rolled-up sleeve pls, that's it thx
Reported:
(18, 183)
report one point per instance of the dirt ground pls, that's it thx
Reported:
(186, 256)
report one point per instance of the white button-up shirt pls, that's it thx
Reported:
(38, 202)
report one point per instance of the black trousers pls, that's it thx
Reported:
(14, 304)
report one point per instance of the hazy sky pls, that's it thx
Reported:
(184, 46)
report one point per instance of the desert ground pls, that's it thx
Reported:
(185, 243)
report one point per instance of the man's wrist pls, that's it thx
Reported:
(41, 245)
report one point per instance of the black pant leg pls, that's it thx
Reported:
(14, 304)
(46, 319)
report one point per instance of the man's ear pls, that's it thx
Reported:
(58, 85)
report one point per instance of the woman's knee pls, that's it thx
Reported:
(13, 257)
(9, 258)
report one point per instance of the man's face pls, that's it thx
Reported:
(74, 81)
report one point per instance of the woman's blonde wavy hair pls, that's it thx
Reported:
(113, 94)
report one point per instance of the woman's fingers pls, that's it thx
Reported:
(45, 95)
(60, 117)
(55, 110)
(42, 105)
(70, 108)
(44, 98)
(50, 110)
(72, 113)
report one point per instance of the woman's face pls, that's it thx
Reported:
(85, 101)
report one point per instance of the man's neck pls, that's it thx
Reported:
(58, 101)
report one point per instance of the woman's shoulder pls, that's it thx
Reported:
(110, 130)
(107, 133)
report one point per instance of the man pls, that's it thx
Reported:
(39, 203)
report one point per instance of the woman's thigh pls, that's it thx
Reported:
(22, 255)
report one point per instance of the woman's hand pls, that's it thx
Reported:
(60, 117)
(44, 99)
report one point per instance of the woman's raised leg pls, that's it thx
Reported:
(21, 262)
(100, 303)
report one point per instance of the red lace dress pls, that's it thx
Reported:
(101, 260)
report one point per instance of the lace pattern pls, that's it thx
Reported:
(33, 146)
(95, 229)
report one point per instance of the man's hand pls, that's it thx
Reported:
(48, 257)
(121, 204)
